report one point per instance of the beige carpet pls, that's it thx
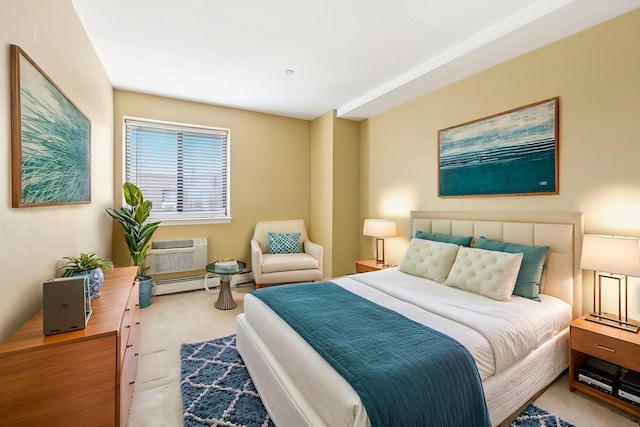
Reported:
(190, 317)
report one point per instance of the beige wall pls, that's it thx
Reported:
(34, 239)
(347, 227)
(270, 177)
(595, 73)
(322, 187)
(335, 190)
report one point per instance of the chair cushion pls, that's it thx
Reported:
(284, 243)
(272, 263)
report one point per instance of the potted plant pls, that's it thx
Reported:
(137, 233)
(88, 264)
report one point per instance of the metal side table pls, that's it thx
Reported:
(225, 299)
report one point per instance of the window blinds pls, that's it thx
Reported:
(182, 169)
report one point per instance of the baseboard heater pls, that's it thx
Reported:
(197, 282)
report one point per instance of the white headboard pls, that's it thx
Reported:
(561, 231)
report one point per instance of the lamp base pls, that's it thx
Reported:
(612, 320)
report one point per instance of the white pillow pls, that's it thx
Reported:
(489, 273)
(429, 259)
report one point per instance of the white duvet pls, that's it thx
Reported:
(497, 334)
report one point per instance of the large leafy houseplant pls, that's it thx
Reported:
(133, 218)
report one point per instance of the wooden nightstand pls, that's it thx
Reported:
(589, 339)
(370, 265)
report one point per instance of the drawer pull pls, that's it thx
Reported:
(601, 347)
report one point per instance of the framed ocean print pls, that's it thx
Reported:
(506, 154)
(50, 140)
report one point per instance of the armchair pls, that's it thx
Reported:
(286, 266)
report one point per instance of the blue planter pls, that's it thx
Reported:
(96, 278)
(146, 286)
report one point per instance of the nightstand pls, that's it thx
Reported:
(589, 339)
(370, 265)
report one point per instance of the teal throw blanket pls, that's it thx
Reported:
(406, 374)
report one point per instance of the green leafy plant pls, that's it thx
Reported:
(133, 218)
(84, 262)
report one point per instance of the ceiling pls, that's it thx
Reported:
(301, 59)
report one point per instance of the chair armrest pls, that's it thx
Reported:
(256, 257)
(315, 250)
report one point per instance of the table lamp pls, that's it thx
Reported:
(379, 228)
(615, 258)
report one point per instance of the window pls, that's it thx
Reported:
(182, 169)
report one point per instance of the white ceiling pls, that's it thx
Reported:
(359, 57)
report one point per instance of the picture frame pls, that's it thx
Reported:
(50, 140)
(513, 153)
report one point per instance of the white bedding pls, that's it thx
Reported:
(473, 322)
(496, 333)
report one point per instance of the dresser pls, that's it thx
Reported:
(76, 378)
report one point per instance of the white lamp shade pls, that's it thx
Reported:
(611, 254)
(379, 228)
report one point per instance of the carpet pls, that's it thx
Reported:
(533, 416)
(217, 390)
(216, 387)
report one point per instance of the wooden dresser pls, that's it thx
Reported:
(77, 378)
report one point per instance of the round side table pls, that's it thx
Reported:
(225, 299)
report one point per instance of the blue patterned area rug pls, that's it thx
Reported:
(217, 390)
(532, 416)
(216, 387)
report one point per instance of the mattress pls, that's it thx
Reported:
(499, 335)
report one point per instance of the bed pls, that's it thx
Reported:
(300, 388)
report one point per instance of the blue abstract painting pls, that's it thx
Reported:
(50, 140)
(511, 153)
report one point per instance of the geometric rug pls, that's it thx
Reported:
(532, 416)
(217, 390)
(216, 387)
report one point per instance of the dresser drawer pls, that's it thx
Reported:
(129, 320)
(126, 383)
(622, 353)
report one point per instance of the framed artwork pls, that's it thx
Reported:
(510, 153)
(50, 140)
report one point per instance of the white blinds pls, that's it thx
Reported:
(182, 169)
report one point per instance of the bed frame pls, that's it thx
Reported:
(507, 392)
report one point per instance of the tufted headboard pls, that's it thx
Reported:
(561, 231)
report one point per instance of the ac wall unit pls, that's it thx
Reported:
(175, 256)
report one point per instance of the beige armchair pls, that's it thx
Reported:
(288, 267)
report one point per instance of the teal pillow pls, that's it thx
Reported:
(284, 243)
(533, 262)
(456, 240)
